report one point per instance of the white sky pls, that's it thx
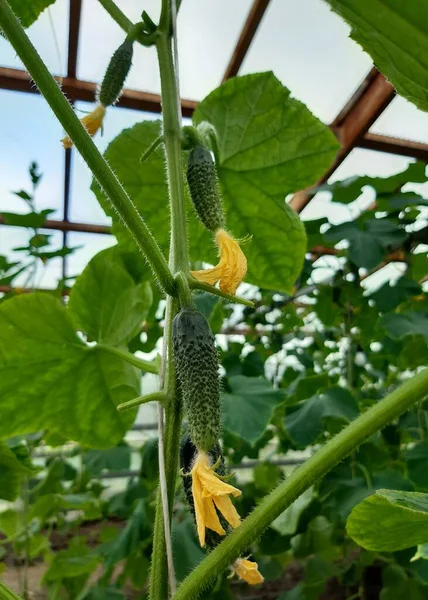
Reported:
(301, 41)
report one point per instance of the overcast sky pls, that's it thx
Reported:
(301, 41)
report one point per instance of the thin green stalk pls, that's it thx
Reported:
(155, 397)
(116, 14)
(179, 262)
(300, 480)
(172, 139)
(149, 366)
(195, 284)
(7, 594)
(119, 199)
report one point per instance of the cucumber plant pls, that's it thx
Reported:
(238, 178)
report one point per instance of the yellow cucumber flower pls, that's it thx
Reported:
(248, 571)
(232, 267)
(210, 492)
(91, 122)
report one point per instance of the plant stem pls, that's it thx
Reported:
(172, 139)
(7, 594)
(118, 197)
(155, 397)
(195, 284)
(300, 480)
(116, 14)
(149, 366)
(162, 569)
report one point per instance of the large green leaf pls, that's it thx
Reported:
(271, 147)
(395, 34)
(28, 11)
(390, 520)
(105, 301)
(248, 406)
(12, 472)
(304, 421)
(49, 379)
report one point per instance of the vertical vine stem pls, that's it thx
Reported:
(338, 448)
(162, 568)
(118, 197)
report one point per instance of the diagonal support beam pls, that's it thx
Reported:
(248, 32)
(75, 89)
(351, 125)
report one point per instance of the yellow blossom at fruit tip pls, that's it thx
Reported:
(92, 122)
(231, 268)
(248, 571)
(211, 493)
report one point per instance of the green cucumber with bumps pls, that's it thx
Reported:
(117, 71)
(204, 189)
(196, 362)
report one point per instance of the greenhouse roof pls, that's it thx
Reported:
(302, 42)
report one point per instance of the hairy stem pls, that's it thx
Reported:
(118, 197)
(300, 480)
(154, 397)
(163, 569)
(7, 594)
(149, 366)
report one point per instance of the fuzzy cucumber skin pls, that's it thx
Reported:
(204, 189)
(196, 363)
(117, 71)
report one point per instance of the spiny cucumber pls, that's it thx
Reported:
(196, 362)
(117, 71)
(204, 189)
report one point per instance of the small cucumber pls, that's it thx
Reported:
(203, 187)
(196, 362)
(117, 71)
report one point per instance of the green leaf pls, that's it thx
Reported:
(254, 192)
(248, 406)
(31, 219)
(12, 473)
(75, 561)
(390, 520)
(50, 380)
(186, 549)
(394, 33)
(417, 460)
(28, 12)
(111, 459)
(106, 303)
(388, 296)
(349, 189)
(287, 522)
(397, 585)
(269, 145)
(304, 421)
(400, 325)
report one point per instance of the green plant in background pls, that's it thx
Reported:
(65, 370)
(38, 249)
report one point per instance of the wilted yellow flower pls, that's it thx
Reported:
(248, 571)
(210, 492)
(91, 122)
(232, 267)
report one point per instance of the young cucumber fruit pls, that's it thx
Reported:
(117, 71)
(203, 187)
(196, 363)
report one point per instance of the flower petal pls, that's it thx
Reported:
(91, 122)
(229, 512)
(210, 276)
(211, 517)
(248, 571)
(233, 262)
(199, 509)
